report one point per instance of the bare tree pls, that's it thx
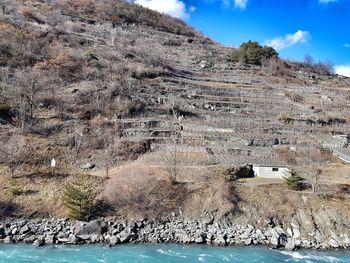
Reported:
(4, 73)
(308, 60)
(172, 160)
(28, 84)
(12, 152)
(313, 174)
(310, 164)
(111, 146)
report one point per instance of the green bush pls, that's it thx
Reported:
(79, 199)
(294, 181)
(15, 188)
(252, 53)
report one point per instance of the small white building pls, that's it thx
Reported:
(266, 171)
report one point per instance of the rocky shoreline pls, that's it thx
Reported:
(172, 229)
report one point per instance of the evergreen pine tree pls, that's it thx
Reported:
(79, 199)
(294, 181)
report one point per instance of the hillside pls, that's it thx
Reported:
(153, 114)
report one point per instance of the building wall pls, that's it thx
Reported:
(271, 172)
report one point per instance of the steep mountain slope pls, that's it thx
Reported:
(99, 84)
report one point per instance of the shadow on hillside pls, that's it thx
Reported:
(8, 209)
(102, 208)
(234, 198)
(41, 175)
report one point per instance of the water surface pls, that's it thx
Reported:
(161, 253)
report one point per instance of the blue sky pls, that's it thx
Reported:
(320, 28)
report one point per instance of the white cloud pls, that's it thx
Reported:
(343, 70)
(289, 40)
(242, 4)
(326, 1)
(347, 45)
(176, 8)
(192, 8)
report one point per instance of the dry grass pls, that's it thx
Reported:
(217, 196)
(40, 194)
(336, 173)
(137, 190)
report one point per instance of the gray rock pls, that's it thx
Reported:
(14, 231)
(319, 237)
(38, 242)
(296, 233)
(91, 229)
(182, 236)
(333, 243)
(294, 225)
(87, 166)
(50, 239)
(24, 230)
(260, 235)
(62, 234)
(125, 236)
(8, 240)
(199, 240)
(73, 239)
(290, 246)
(279, 230)
(219, 241)
(114, 241)
(248, 242)
(29, 240)
(274, 242)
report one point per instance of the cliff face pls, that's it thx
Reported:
(99, 85)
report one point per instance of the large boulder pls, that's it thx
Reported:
(182, 236)
(220, 241)
(24, 230)
(334, 243)
(87, 166)
(88, 230)
(199, 240)
(126, 236)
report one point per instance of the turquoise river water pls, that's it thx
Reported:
(161, 253)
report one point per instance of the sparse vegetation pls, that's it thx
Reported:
(325, 67)
(294, 97)
(114, 90)
(14, 187)
(141, 190)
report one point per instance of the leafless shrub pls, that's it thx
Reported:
(310, 163)
(152, 73)
(284, 118)
(294, 97)
(172, 160)
(28, 13)
(275, 66)
(172, 42)
(12, 152)
(142, 191)
(322, 67)
(131, 150)
(68, 66)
